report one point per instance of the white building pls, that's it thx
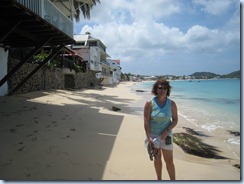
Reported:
(93, 51)
(116, 70)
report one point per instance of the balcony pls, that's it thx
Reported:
(105, 63)
(23, 23)
(46, 10)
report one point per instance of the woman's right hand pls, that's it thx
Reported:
(150, 141)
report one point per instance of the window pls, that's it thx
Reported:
(80, 43)
(92, 43)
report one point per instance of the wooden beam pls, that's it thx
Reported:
(54, 52)
(27, 58)
(9, 31)
(26, 34)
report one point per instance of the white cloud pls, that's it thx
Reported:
(135, 30)
(157, 39)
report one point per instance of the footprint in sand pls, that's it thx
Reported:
(34, 139)
(19, 125)
(54, 123)
(74, 163)
(65, 117)
(68, 136)
(8, 162)
(21, 149)
(12, 130)
(29, 135)
(73, 129)
(28, 175)
(48, 166)
(33, 108)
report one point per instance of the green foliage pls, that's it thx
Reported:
(207, 75)
(40, 57)
(53, 63)
(77, 68)
(236, 74)
(125, 77)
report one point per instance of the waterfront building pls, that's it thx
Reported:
(93, 51)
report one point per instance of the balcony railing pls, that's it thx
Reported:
(105, 62)
(48, 11)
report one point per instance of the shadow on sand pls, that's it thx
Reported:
(43, 141)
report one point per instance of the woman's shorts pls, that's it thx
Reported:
(158, 143)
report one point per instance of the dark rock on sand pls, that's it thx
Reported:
(237, 166)
(234, 133)
(195, 146)
(115, 108)
(138, 90)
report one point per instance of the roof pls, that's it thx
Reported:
(87, 37)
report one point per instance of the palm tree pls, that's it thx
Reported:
(83, 6)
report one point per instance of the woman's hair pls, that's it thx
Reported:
(163, 82)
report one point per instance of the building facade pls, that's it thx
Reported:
(93, 51)
(116, 70)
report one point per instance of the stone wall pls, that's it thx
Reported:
(47, 79)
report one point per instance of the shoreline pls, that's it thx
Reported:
(221, 134)
(75, 135)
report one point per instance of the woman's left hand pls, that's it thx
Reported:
(164, 135)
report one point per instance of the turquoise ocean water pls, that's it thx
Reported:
(210, 104)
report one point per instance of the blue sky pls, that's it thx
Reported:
(161, 37)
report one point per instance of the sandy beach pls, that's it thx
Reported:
(75, 135)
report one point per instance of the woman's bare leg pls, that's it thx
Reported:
(158, 165)
(168, 158)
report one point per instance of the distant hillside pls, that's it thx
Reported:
(236, 74)
(209, 75)
(200, 75)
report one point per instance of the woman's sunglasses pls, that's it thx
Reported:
(164, 88)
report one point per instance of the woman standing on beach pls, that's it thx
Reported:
(160, 117)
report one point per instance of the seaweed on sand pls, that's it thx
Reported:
(193, 132)
(195, 146)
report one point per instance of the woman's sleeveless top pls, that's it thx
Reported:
(161, 117)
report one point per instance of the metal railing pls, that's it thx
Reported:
(48, 11)
(105, 62)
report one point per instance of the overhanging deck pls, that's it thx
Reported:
(22, 27)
